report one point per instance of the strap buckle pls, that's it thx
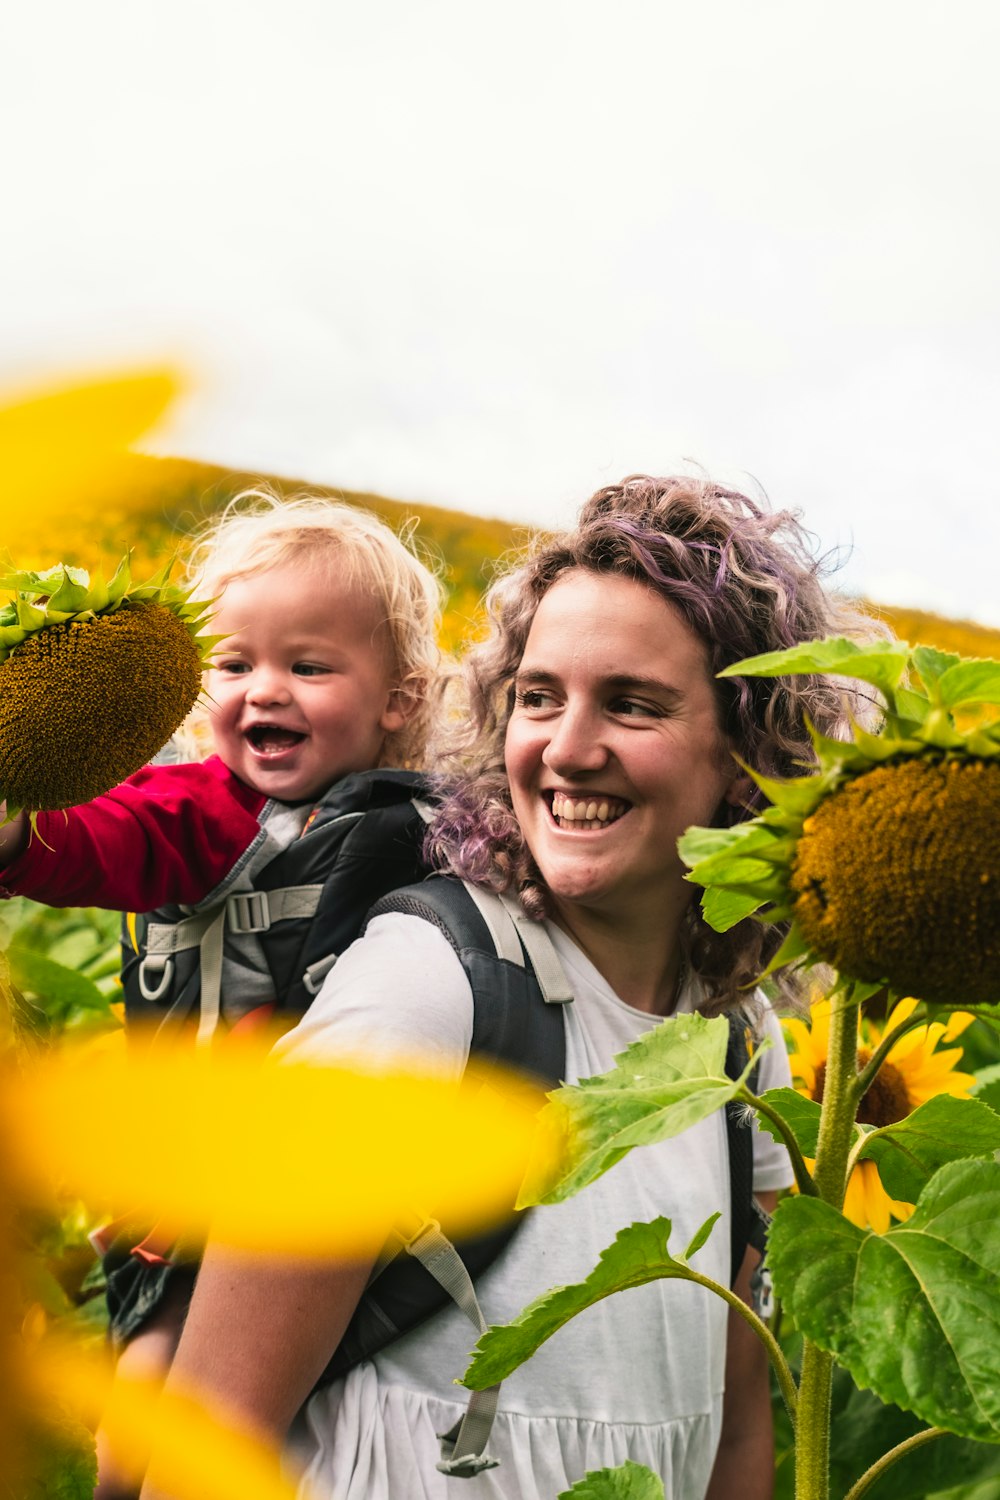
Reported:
(248, 911)
(155, 964)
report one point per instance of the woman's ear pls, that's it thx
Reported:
(739, 790)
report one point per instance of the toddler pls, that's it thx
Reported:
(252, 869)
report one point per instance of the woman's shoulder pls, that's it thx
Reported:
(398, 992)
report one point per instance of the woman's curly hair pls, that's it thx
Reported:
(745, 580)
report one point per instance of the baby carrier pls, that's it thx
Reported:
(285, 912)
(276, 925)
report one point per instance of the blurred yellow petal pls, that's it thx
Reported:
(957, 1022)
(200, 1454)
(66, 468)
(280, 1158)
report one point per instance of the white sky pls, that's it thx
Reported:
(495, 256)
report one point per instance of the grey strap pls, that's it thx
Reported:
(463, 1452)
(211, 978)
(243, 913)
(545, 961)
(498, 919)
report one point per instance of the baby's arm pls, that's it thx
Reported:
(13, 835)
(168, 834)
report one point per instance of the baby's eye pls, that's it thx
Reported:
(309, 669)
(233, 666)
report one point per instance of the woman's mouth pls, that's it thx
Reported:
(272, 739)
(585, 813)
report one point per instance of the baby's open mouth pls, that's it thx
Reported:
(586, 812)
(270, 739)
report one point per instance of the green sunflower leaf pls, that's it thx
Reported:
(59, 990)
(932, 663)
(987, 1086)
(638, 1255)
(882, 663)
(629, 1482)
(800, 1114)
(913, 1314)
(722, 908)
(970, 682)
(943, 1129)
(669, 1079)
(70, 596)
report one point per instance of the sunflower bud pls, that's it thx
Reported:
(94, 679)
(886, 861)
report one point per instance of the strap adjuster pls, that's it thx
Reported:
(153, 966)
(248, 911)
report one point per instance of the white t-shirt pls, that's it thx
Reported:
(640, 1375)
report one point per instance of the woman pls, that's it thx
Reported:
(598, 733)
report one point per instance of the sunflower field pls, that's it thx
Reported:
(893, 1118)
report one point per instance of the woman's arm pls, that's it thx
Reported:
(258, 1336)
(744, 1464)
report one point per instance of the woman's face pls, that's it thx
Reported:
(613, 747)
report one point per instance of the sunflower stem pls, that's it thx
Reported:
(803, 1177)
(775, 1353)
(836, 1127)
(868, 1478)
(866, 1076)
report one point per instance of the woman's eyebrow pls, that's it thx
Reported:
(627, 682)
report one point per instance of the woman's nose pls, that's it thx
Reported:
(576, 743)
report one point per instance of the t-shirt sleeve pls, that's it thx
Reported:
(771, 1166)
(167, 834)
(397, 995)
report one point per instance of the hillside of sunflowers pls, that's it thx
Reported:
(60, 986)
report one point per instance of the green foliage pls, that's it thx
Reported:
(668, 1080)
(913, 1314)
(60, 1461)
(944, 1129)
(639, 1254)
(630, 1482)
(863, 1429)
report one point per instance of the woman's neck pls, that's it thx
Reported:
(643, 969)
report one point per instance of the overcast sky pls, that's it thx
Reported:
(493, 256)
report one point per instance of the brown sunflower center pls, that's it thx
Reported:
(886, 1099)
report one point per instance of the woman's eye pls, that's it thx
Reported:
(533, 698)
(630, 708)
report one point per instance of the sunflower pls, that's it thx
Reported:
(95, 676)
(913, 1071)
(885, 861)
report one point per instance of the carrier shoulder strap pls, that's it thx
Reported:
(519, 989)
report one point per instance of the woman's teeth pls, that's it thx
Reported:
(586, 812)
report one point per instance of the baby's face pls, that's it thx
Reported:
(301, 690)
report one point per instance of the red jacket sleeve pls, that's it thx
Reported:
(168, 833)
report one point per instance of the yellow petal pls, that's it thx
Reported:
(281, 1158)
(66, 449)
(200, 1454)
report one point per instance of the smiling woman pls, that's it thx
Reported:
(597, 732)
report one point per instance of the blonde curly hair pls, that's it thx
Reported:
(259, 530)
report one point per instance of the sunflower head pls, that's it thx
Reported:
(916, 1068)
(885, 861)
(95, 676)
